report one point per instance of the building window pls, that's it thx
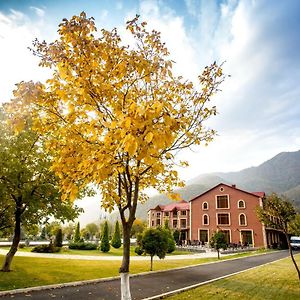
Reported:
(183, 213)
(222, 201)
(203, 235)
(221, 189)
(174, 223)
(175, 213)
(158, 215)
(241, 204)
(227, 235)
(158, 222)
(242, 220)
(152, 223)
(183, 223)
(247, 237)
(166, 214)
(205, 220)
(223, 219)
(205, 206)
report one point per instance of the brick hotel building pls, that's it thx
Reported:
(223, 207)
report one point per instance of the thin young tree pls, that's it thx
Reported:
(116, 115)
(278, 213)
(155, 242)
(218, 241)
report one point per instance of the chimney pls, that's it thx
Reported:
(234, 186)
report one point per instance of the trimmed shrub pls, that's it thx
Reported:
(46, 249)
(83, 246)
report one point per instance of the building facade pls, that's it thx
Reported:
(223, 207)
(177, 215)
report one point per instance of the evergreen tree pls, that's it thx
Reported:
(116, 240)
(77, 233)
(43, 233)
(171, 240)
(58, 238)
(105, 246)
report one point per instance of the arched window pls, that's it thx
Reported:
(242, 220)
(241, 204)
(205, 220)
(205, 206)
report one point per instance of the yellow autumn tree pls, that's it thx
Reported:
(116, 115)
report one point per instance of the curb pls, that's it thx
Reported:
(85, 282)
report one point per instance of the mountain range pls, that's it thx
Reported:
(280, 174)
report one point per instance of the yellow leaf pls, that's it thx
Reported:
(128, 122)
(149, 137)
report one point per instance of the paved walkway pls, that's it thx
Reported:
(109, 257)
(151, 284)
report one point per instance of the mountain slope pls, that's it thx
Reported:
(280, 174)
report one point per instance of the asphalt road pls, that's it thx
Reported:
(152, 284)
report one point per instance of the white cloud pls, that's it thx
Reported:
(17, 62)
(38, 11)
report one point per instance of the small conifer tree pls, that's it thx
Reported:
(58, 238)
(105, 246)
(77, 233)
(171, 240)
(116, 240)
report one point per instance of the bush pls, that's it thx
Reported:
(138, 250)
(83, 246)
(46, 249)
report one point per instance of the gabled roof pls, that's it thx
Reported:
(182, 205)
(256, 194)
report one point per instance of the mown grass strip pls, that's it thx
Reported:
(275, 281)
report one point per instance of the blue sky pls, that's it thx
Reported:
(259, 106)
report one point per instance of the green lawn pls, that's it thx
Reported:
(31, 271)
(275, 281)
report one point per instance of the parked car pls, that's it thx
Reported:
(295, 242)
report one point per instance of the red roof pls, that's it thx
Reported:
(182, 205)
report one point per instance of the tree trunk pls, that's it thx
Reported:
(151, 264)
(218, 253)
(16, 239)
(291, 254)
(124, 269)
